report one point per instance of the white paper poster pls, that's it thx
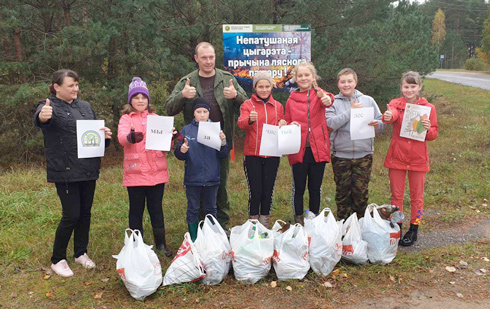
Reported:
(412, 122)
(208, 134)
(90, 138)
(268, 144)
(359, 119)
(159, 132)
(289, 139)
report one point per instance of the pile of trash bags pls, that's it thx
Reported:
(253, 250)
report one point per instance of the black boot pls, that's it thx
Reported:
(160, 243)
(410, 237)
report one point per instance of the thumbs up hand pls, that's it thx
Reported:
(185, 146)
(388, 115)
(188, 92)
(253, 116)
(230, 91)
(355, 104)
(325, 99)
(134, 137)
(46, 112)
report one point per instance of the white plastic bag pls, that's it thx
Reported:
(186, 265)
(138, 266)
(354, 249)
(214, 248)
(290, 258)
(325, 235)
(252, 247)
(381, 237)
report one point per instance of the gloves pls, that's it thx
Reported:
(134, 137)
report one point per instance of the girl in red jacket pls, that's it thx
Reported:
(407, 155)
(306, 107)
(145, 171)
(260, 171)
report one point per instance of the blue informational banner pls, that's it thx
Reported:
(275, 48)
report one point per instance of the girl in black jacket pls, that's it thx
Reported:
(74, 178)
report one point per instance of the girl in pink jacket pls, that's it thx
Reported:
(145, 171)
(407, 155)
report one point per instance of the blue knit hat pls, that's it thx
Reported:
(137, 86)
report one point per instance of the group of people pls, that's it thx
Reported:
(211, 94)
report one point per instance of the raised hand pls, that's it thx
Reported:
(134, 137)
(185, 146)
(46, 112)
(188, 92)
(388, 115)
(230, 92)
(253, 116)
(355, 104)
(326, 100)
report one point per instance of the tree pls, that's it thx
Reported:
(485, 42)
(438, 30)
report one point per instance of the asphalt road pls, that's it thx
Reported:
(478, 80)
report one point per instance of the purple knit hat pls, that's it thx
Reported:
(137, 86)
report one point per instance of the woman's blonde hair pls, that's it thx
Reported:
(412, 78)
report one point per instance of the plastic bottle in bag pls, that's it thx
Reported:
(309, 214)
(397, 216)
(251, 232)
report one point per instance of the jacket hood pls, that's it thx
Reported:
(401, 102)
(357, 94)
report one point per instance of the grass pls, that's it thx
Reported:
(457, 186)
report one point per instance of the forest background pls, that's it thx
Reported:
(108, 42)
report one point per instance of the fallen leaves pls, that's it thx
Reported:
(289, 288)
(328, 285)
(49, 294)
(98, 295)
(88, 283)
(463, 263)
(46, 277)
(459, 295)
(450, 269)
(273, 284)
(104, 280)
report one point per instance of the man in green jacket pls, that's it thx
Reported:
(224, 95)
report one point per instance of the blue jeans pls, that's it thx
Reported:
(193, 194)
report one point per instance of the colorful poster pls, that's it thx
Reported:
(90, 138)
(412, 126)
(275, 48)
(159, 132)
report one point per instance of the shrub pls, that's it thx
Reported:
(475, 64)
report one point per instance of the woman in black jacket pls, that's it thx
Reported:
(74, 178)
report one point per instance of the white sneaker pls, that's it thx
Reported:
(61, 268)
(85, 261)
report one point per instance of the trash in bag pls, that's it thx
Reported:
(215, 250)
(325, 235)
(252, 246)
(381, 235)
(186, 265)
(354, 249)
(290, 259)
(391, 213)
(138, 266)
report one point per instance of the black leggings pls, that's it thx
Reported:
(261, 175)
(314, 172)
(76, 201)
(154, 197)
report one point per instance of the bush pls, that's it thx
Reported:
(475, 64)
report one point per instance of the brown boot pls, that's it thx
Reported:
(299, 219)
(264, 220)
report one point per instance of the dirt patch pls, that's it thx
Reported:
(457, 234)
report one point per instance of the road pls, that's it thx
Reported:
(478, 80)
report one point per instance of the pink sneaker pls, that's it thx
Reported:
(85, 261)
(61, 268)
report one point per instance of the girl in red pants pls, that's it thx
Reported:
(408, 156)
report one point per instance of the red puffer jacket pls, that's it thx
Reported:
(405, 153)
(268, 113)
(307, 109)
